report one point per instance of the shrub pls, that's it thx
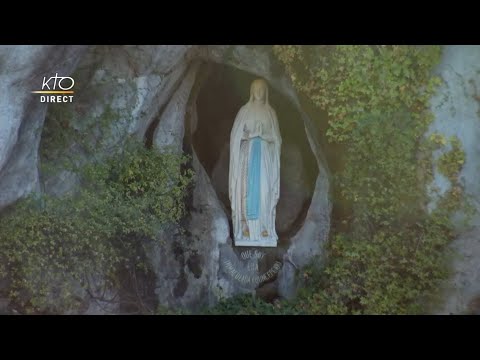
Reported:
(391, 255)
(246, 304)
(55, 247)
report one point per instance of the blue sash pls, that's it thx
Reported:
(253, 183)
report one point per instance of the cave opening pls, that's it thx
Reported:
(220, 97)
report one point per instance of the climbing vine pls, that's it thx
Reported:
(390, 256)
(71, 135)
(67, 138)
(450, 163)
(56, 249)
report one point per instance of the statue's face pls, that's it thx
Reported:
(259, 92)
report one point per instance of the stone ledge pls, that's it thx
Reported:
(262, 243)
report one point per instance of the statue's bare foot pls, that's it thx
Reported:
(246, 233)
(264, 233)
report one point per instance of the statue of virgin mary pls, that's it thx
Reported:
(254, 173)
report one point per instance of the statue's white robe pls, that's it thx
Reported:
(255, 119)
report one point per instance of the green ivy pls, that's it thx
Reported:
(54, 247)
(391, 255)
(248, 305)
(66, 136)
(450, 163)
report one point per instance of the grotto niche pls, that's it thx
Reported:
(160, 95)
(221, 94)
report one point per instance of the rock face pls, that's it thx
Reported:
(456, 107)
(22, 69)
(151, 92)
(464, 286)
(124, 90)
(171, 128)
(187, 265)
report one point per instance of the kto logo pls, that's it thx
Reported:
(56, 89)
